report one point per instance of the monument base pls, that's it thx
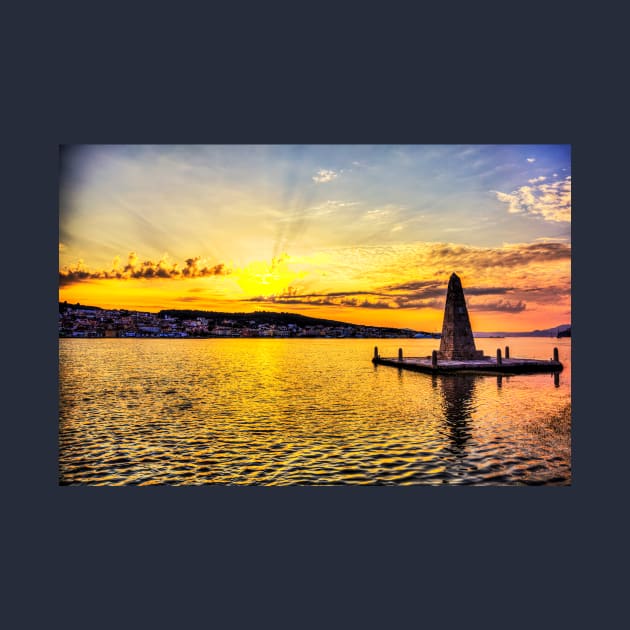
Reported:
(459, 356)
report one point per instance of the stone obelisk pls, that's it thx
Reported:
(457, 343)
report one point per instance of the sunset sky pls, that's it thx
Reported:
(358, 233)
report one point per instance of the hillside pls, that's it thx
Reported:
(245, 319)
(564, 330)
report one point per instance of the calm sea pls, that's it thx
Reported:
(305, 411)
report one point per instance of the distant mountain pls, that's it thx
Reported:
(564, 330)
(264, 317)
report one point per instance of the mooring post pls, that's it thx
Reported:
(555, 354)
(499, 362)
(507, 352)
(400, 358)
(434, 359)
(376, 352)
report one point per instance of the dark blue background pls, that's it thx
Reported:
(300, 557)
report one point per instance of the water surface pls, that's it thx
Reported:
(305, 411)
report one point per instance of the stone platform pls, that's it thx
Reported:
(486, 365)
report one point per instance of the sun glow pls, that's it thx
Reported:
(261, 278)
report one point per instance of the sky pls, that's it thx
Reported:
(367, 234)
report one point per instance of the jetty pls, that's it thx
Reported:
(458, 354)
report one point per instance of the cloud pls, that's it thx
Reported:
(334, 298)
(377, 304)
(477, 258)
(333, 203)
(551, 201)
(409, 295)
(550, 294)
(384, 214)
(531, 160)
(429, 289)
(508, 279)
(432, 294)
(147, 270)
(301, 300)
(549, 239)
(322, 176)
(424, 268)
(330, 206)
(420, 285)
(535, 180)
(504, 306)
(377, 213)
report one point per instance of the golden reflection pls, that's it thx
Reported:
(457, 391)
(291, 411)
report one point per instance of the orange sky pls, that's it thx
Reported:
(368, 235)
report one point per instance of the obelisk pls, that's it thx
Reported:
(457, 343)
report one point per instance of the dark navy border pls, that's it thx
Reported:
(295, 557)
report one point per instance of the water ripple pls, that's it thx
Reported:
(298, 412)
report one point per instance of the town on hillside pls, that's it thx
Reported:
(89, 321)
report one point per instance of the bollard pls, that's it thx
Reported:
(507, 352)
(376, 352)
(434, 359)
(400, 358)
(499, 362)
(555, 354)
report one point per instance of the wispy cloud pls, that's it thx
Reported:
(384, 213)
(510, 255)
(549, 239)
(504, 306)
(323, 175)
(531, 160)
(330, 206)
(408, 295)
(147, 269)
(430, 289)
(550, 201)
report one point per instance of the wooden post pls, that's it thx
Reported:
(555, 354)
(400, 357)
(499, 362)
(434, 359)
(507, 352)
(376, 352)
